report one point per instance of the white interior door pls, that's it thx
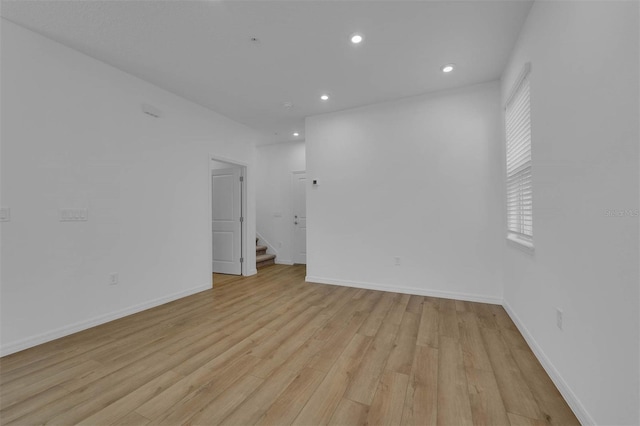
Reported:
(299, 217)
(226, 213)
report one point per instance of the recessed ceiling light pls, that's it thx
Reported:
(324, 97)
(287, 105)
(296, 134)
(448, 68)
(356, 38)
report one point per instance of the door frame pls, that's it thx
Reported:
(245, 270)
(292, 227)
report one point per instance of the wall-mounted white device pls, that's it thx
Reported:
(5, 214)
(74, 215)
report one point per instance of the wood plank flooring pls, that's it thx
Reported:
(274, 350)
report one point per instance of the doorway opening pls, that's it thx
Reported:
(228, 207)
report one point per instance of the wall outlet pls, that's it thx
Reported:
(559, 318)
(5, 214)
(397, 260)
(113, 278)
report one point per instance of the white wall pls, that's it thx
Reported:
(215, 165)
(273, 197)
(584, 110)
(73, 135)
(420, 179)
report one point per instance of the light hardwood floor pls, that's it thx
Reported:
(272, 349)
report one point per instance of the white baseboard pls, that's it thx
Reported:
(251, 272)
(32, 341)
(407, 290)
(574, 403)
(283, 262)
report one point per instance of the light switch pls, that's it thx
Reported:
(73, 215)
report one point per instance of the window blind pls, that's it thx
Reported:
(519, 179)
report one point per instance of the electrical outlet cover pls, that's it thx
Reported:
(559, 318)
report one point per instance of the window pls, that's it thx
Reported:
(519, 179)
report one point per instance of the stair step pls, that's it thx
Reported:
(264, 257)
(265, 260)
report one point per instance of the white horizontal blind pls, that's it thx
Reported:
(519, 180)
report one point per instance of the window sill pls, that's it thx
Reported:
(519, 243)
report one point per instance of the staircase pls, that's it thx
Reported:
(262, 257)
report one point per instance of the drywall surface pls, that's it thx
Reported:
(74, 136)
(274, 217)
(584, 112)
(419, 179)
(215, 165)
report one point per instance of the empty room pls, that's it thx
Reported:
(320, 212)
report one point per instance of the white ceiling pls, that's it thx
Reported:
(202, 50)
